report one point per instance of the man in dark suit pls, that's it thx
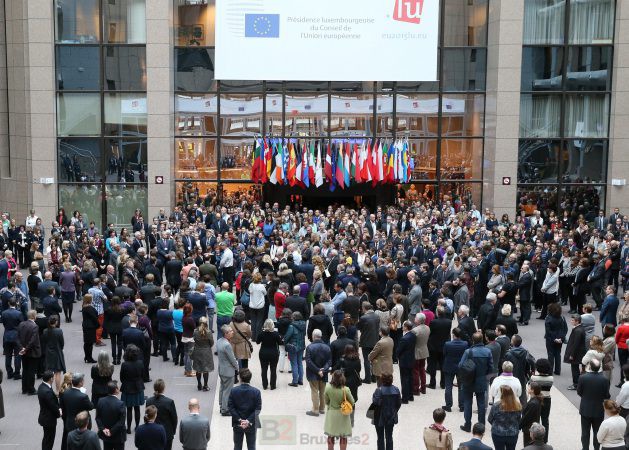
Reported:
(296, 302)
(615, 215)
(337, 347)
(600, 222)
(133, 335)
(110, 418)
(593, 388)
(439, 334)
(165, 246)
(124, 291)
(575, 349)
(466, 323)
(49, 410)
(476, 443)
(369, 327)
(245, 403)
(30, 351)
(4, 270)
(406, 361)
(166, 411)
(11, 319)
(452, 352)
(194, 429)
(51, 303)
(72, 402)
(42, 288)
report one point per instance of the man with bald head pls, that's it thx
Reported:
(194, 429)
(42, 288)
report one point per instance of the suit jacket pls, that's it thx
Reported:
(476, 444)
(194, 431)
(381, 357)
(227, 362)
(28, 337)
(111, 414)
(245, 402)
(297, 303)
(134, 336)
(406, 351)
(452, 352)
(421, 343)
(593, 388)
(467, 326)
(369, 327)
(73, 402)
(48, 406)
(42, 288)
(439, 334)
(538, 445)
(166, 413)
(575, 348)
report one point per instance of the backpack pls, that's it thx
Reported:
(467, 371)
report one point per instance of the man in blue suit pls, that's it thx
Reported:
(610, 307)
(452, 352)
(245, 403)
(476, 443)
(406, 361)
(4, 270)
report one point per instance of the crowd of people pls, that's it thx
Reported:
(336, 297)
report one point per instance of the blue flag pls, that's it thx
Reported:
(262, 25)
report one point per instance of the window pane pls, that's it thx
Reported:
(312, 86)
(79, 160)
(196, 158)
(384, 116)
(78, 114)
(195, 22)
(76, 21)
(462, 159)
(125, 115)
(306, 114)
(584, 161)
(125, 21)
(189, 192)
(542, 68)
(274, 114)
(78, 68)
(587, 115)
(417, 115)
(125, 68)
(461, 194)
(538, 161)
(588, 69)
(592, 21)
(241, 114)
(465, 23)
(86, 198)
(195, 70)
(196, 115)
(417, 86)
(540, 115)
(536, 198)
(463, 115)
(122, 201)
(241, 86)
(418, 191)
(544, 21)
(236, 159)
(585, 200)
(464, 69)
(352, 115)
(126, 160)
(352, 86)
(424, 153)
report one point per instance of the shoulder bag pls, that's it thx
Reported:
(346, 407)
(245, 338)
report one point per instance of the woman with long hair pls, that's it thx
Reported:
(202, 359)
(295, 343)
(101, 373)
(337, 425)
(269, 341)
(257, 297)
(532, 411)
(66, 383)
(504, 417)
(67, 282)
(113, 325)
(90, 325)
(187, 338)
(241, 340)
(53, 349)
(132, 384)
(556, 330)
(349, 363)
(178, 324)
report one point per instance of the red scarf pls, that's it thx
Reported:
(439, 428)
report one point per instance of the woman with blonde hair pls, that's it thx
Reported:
(257, 300)
(596, 351)
(66, 383)
(270, 341)
(505, 416)
(611, 433)
(202, 360)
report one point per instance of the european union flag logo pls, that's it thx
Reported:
(262, 25)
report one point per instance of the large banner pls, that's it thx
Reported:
(322, 40)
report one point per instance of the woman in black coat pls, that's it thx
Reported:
(531, 412)
(132, 384)
(113, 325)
(386, 401)
(270, 341)
(350, 365)
(53, 349)
(101, 375)
(556, 330)
(90, 325)
(506, 318)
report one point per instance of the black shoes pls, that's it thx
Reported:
(446, 408)
(467, 429)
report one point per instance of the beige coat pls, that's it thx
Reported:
(239, 344)
(436, 440)
(381, 357)
(421, 343)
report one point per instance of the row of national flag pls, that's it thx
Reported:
(340, 163)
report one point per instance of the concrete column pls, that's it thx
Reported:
(502, 114)
(618, 196)
(160, 73)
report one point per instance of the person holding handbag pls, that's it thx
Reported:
(385, 404)
(241, 341)
(349, 363)
(340, 403)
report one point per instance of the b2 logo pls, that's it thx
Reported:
(277, 430)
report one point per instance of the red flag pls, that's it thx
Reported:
(328, 164)
(365, 170)
(358, 152)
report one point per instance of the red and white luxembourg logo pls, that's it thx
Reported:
(408, 10)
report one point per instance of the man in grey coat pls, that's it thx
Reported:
(227, 366)
(194, 429)
(422, 333)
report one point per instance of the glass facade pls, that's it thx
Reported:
(565, 105)
(216, 121)
(100, 56)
